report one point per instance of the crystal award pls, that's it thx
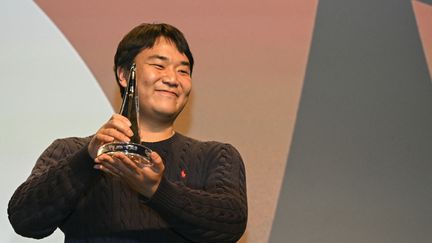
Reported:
(137, 152)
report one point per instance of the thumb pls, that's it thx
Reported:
(158, 165)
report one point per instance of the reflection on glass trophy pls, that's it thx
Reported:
(130, 109)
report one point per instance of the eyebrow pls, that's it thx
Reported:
(164, 58)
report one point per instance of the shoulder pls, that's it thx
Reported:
(73, 141)
(67, 145)
(60, 149)
(209, 148)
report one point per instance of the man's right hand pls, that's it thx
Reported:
(116, 129)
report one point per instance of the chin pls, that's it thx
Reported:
(167, 115)
(171, 114)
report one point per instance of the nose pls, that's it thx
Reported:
(170, 78)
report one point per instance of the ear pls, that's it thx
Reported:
(122, 76)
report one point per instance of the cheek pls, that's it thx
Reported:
(147, 76)
(187, 87)
(147, 82)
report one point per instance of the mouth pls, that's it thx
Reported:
(167, 92)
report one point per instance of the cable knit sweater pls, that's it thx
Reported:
(201, 198)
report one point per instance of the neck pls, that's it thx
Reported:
(153, 133)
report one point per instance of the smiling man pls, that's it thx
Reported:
(195, 191)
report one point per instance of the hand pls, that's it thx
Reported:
(116, 129)
(144, 180)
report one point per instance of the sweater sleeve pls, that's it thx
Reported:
(61, 174)
(218, 213)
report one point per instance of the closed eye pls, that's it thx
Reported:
(158, 66)
(184, 72)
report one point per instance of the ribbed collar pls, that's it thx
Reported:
(163, 143)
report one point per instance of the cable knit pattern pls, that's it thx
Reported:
(201, 198)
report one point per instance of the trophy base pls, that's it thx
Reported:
(138, 153)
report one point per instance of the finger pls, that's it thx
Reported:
(121, 124)
(127, 163)
(106, 170)
(116, 162)
(103, 138)
(95, 144)
(102, 158)
(115, 166)
(121, 118)
(115, 134)
(158, 165)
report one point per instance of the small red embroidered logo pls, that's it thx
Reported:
(183, 173)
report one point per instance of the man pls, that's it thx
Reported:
(194, 192)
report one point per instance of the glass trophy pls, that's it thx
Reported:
(137, 152)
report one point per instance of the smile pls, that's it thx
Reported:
(167, 92)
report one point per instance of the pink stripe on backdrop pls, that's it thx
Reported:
(423, 13)
(251, 58)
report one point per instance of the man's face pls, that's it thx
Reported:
(163, 80)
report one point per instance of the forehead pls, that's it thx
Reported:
(165, 48)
